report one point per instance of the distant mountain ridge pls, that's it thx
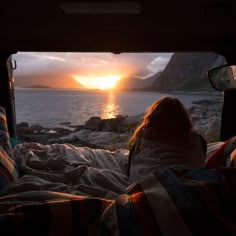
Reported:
(186, 71)
(47, 81)
(135, 83)
(40, 86)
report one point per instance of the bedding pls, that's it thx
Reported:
(224, 155)
(69, 169)
(8, 169)
(4, 134)
(169, 202)
(62, 215)
(190, 202)
(68, 190)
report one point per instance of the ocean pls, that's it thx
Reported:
(53, 108)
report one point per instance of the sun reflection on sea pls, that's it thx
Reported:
(110, 109)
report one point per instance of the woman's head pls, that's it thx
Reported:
(165, 119)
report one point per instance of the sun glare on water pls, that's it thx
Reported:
(98, 82)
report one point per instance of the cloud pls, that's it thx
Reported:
(124, 64)
(158, 63)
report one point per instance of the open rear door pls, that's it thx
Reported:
(7, 98)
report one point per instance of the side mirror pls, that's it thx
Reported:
(223, 78)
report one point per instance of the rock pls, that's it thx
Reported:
(117, 124)
(36, 127)
(22, 125)
(37, 133)
(65, 123)
(206, 117)
(114, 124)
(203, 102)
(131, 122)
(62, 131)
(79, 127)
(207, 102)
(114, 133)
(52, 131)
(103, 139)
(24, 130)
(93, 123)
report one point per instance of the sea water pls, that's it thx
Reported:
(53, 108)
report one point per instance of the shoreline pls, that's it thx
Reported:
(199, 93)
(114, 133)
(187, 92)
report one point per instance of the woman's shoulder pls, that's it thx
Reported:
(197, 137)
(195, 134)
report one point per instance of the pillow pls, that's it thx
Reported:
(8, 170)
(4, 134)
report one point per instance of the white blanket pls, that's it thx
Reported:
(69, 169)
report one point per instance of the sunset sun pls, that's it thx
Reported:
(97, 82)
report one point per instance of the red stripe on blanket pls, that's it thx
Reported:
(61, 221)
(86, 214)
(143, 211)
(216, 159)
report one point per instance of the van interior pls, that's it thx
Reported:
(157, 204)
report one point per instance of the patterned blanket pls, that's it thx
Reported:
(73, 216)
(166, 202)
(224, 156)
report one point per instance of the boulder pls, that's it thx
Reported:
(37, 127)
(65, 123)
(23, 125)
(131, 122)
(206, 117)
(93, 123)
(114, 124)
(103, 139)
(206, 102)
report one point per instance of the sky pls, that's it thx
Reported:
(92, 70)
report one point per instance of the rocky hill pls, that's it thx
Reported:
(47, 81)
(186, 71)
(135, 83)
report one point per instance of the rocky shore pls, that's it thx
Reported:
(114, 133)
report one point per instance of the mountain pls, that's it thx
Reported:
(186, 71)
(38, 86)
(135, 83)
(47, 81)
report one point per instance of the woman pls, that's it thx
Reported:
(165, 138)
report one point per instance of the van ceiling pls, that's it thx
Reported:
(118, 26)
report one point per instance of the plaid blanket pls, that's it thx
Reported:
(170, 202)
(76, 216)
(166, 202)
(224, 156)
